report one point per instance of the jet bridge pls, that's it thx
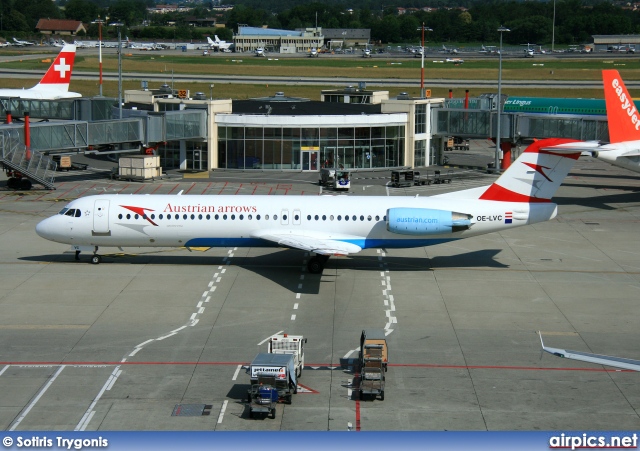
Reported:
(469, 123)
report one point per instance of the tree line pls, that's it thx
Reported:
(453, 21)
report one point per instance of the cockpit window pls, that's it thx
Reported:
(78, 213)
(63, 211)
(71, 212)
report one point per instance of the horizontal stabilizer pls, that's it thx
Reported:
(572, 147)
(616, 362)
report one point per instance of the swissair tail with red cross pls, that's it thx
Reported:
(55, 83)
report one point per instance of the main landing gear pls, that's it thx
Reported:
(95, 258)
(316, 263)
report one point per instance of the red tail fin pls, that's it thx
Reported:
(624, 119)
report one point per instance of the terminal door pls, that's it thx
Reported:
(309, 159)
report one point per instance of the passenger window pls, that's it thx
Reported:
(193, 216)
(377, 218)
(369, 218)
(217, 217)
(233, 217)
(346, 217)
(296, 217)
(331, 218)
(250, 217)
(224, 217)
(160, 216)
(153, 216)
(361, 217)
(355, 218)
(339, 218)
(275, 217)
(241, 217)
(316, 217)
(200, 217)
(208, 217)
(136, 216)
(184, 216)
(324, 217)
(266, 217)
(258, 217)
(284, 217)
(168, 216)
(120, 216)
(308, 217)
(128, 216)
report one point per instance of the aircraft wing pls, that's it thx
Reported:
(616, 362)
(312, 242)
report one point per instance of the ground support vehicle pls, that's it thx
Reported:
(409, 177)
(438, 177)
(373, 363)
(456, 143)
(262, 399)
(289, 344)
(338, 179)
(276, 370)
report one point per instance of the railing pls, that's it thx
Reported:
(31, 164)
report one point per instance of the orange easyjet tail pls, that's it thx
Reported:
(623, 116)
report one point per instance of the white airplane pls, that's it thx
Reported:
(221, 46)
(55, 83)
(5, 44)
(366, 53)
(61, 43)
(323, 225)
(260, 51)
(529, 52)
(624, 125)
(616, 362)
(22, 43)
(313, 53)
(455, 61)
(447, 50)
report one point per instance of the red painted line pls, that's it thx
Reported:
(205, 190)
(173, 188)
(37, 198)
(314, 392)
(254, 189)
(125, 186)
(192, 186)
(67, 191)
(80, 195)
(139, 189)
(270, 189)
(157, 188)
(357, 415)
(400, 365)
(223, 187)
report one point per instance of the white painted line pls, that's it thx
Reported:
(391, 297)
(193, 316)
(212, 290)
(199, 304)
(91, 414)
(224, 407)
(208, 299)
(381, 274)
(210, 283)
(302, 277)
(388, 332)
(293, 317)
(113, 380)
(235, 375)
(135, 351)
(216, 275)
(200, 310)
(84, 422)
(297, 295)
(37, 398)
(383, 282)
(218, 279)
(205, 294)
(223, 271)
(267, 339)
(166, 336)
(178, 329)
(386, 303)
(4, 369)
(194, 322)
(144, 343)
(295, 307)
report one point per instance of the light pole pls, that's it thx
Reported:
(99, 21)
(422, 93)
(553, 27)
(499, 107)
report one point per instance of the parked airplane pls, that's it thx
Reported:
(5, 44)
(455, 61)
(529, 51)
(22, 43)
(624, 125)
(447, 50)
(61, 43)
(313, 53)
(221, 46)
(323, 225)
(55, 83)
(260, 51)
(366, 53)
(616, 362)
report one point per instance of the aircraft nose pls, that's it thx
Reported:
(43, 229)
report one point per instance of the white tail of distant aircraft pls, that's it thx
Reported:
(323, 225)
(221, 46)
(55, 82)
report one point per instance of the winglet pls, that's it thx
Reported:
(623, 116)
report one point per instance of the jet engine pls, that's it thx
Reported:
(426, 221)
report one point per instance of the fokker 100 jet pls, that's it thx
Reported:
(323, 225)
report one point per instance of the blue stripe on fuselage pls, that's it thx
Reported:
(363, 243)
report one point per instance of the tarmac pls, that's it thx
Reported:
(159, 339)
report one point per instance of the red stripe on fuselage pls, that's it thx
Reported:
(501, 194)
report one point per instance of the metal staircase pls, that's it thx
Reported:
(21, 166)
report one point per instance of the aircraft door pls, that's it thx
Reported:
(284, 217)
(101, 216)
(296, 217)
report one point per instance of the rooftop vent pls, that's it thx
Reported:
(280, 94)
(199, 96)
(403, 96)
(165, 89)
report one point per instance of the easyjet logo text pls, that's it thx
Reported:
(626, 103)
